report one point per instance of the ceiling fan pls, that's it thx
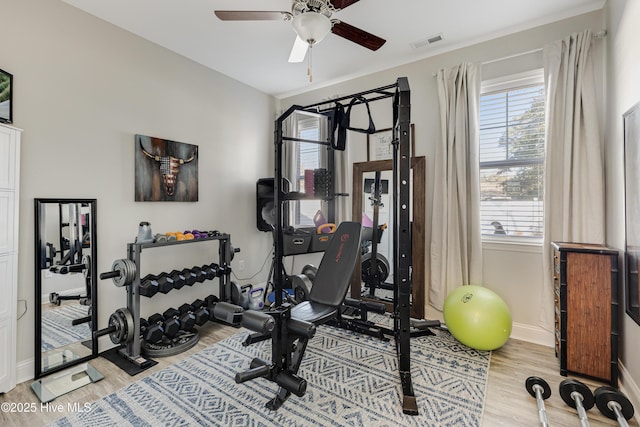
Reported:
(311, 20)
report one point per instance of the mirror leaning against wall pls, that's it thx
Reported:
(65, 295)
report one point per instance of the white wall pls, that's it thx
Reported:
(83, 88)
(623, 91)
(513, 271)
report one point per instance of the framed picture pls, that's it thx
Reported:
(165, 170)
(6, 95)
(379, 145)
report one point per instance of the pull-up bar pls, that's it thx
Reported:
(382, 91)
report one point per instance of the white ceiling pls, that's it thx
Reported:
(256, 52)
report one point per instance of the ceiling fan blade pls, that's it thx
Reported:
(299, 50)
(341, 4)
(251, 15)
(357, 35)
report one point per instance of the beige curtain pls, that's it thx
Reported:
(456, 247)
(574, 169)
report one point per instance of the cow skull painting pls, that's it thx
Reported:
(165, 170)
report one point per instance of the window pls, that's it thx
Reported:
(304, 156)
(308, 159)
(512, 156)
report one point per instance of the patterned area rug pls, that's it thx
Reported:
(352, 379)
(57, 330)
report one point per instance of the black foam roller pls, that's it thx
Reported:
(258, 321)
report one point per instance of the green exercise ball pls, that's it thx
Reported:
(477, 317)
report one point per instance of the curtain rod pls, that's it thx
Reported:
(515, 55)
(599, 35)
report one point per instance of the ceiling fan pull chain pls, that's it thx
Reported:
(310, 65)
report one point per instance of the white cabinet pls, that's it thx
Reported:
(9, 202)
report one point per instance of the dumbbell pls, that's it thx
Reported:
(178, 279)
(189, 277)
(577, 395)
(201, 276)
(172, 324)
(539, 388)
(211, 270)
(152, 329)
(613, 404)
(151, 284)
(148, 288)
(210, 301)
(199, 310)
(185, 316)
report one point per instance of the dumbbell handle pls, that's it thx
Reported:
(582, 414)
(542, 412)
(109, 275)
(616, 408)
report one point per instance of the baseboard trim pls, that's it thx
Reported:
(630, 389)
(25, 370)
(532, 334)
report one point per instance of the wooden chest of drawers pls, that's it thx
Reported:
(586, 310)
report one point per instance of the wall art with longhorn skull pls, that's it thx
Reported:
(165, 170)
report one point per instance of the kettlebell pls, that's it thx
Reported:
(245, 290)
(255, 299)
(144, 233)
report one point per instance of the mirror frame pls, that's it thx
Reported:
(418, 229)
(40, 246)
(631, 124)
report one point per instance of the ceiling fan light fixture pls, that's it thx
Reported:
(311, 27)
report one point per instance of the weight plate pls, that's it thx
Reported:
(53, 298)
(183, 342)
(382, 265)
(310, 271)
(537, 381)
(127, 271)
(236, 293)
(567, 387)
(301, 285)
(122, 320)
(86, 260)
(606, 396)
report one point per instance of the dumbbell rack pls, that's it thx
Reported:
(132, 350)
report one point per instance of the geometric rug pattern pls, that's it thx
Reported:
(352, 380)
(57, 330)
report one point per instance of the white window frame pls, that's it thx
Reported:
(513, 81)
(302, 122)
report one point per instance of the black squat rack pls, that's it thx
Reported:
(400, 93)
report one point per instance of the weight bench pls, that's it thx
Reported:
(295, 325)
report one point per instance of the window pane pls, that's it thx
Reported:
(512, 201)
(305, 156)
(511, 161)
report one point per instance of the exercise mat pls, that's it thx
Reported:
(57, 328)
(352, 380)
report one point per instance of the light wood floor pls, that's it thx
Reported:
(507, 402)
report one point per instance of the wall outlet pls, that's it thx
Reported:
(241, 265)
